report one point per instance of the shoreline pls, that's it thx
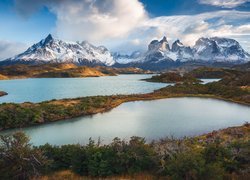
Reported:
(64, 70)
(20, 115)
(117, 101)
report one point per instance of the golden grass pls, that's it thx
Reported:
(247, 88)
(2, 77)
(69, 175)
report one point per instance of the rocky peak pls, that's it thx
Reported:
(164, 39)
(220, 49)
(177, 45)
(55, 50)
(161, 45)
(48, 39)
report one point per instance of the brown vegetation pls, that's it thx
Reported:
(61, 71)
(222, 154)
(26, 114)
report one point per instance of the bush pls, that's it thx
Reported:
(18, 160)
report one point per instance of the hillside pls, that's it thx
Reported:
(209, 72)
(61, 71)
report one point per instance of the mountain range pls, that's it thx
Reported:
(57, 51)
(159, 54)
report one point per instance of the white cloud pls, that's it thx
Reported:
(136, 41)
(92, 20)
(97, 21)
(224, 3)
(124, 25)
(9, 49)
(189, 28)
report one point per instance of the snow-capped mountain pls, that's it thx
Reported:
(55, 50)
(159, 51)
(184, 53)
(219, 49)
(160, 56)
(213, 49)
(161, 45)
(125, 58)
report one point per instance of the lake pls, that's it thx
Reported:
(178, 117)
(205, 81)
(42, 89)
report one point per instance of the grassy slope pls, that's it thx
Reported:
(47, 70)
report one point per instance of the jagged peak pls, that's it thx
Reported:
(154, 41)
(164, 39)
(177, 41)
(49, 36)
(216, 39)
(177, 45)
(48, 39)
(50, 49)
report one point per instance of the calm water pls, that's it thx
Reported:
(176, 117)
(41, 89)
(205, 81)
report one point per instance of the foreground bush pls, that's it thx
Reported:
(18, 160)
(218, 155)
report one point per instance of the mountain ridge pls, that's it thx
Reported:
(58, 51)
(159, 54)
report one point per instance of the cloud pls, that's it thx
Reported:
(124, 25)
(188, 28)
(92, 20)
(9, 49)
(224, 3)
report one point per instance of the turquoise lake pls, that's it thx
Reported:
(156, 119)
(42, 89)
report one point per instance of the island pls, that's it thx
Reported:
(173, 77)
(2, 93)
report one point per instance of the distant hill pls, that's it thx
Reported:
(245, 67)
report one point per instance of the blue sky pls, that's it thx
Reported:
(121, 25)
(15, 27)
(185, 7)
